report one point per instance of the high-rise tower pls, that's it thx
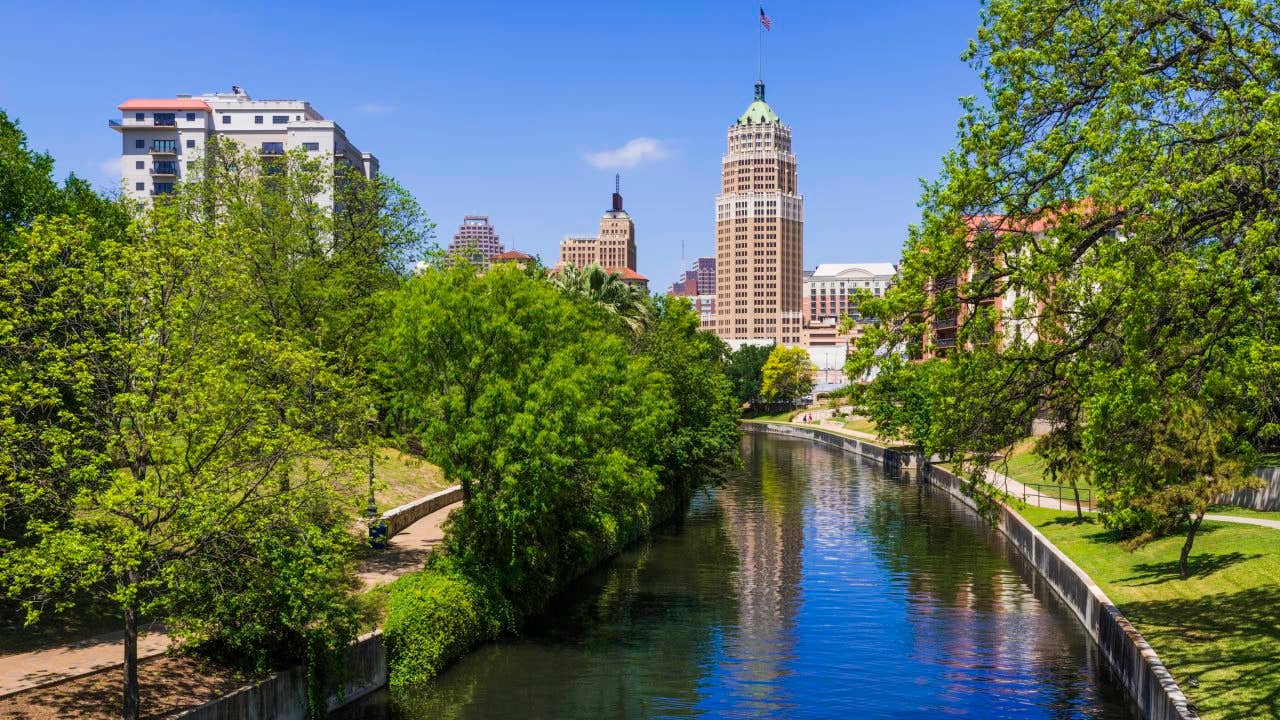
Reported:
(759, 233)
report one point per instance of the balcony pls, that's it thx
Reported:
(944, 342)
(272, 149)
(944, 283)
(164, 147)
(164, 122)
(945, 321)
(168, 169)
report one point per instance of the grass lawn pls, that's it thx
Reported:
(861, 425)
(403, 477)
(1221, 626)
(784, 416)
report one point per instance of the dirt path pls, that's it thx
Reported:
(407, 550)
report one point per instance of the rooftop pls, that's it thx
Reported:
(759, 112)
(164, 104)
(854, 269)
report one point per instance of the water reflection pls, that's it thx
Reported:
(809, 586)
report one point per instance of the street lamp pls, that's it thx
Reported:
(377, 526)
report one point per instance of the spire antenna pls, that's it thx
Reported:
(617, 192)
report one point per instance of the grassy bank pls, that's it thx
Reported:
(1220, 626)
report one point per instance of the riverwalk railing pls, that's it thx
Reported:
(1063, 495)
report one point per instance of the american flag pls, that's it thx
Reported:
(764, 20)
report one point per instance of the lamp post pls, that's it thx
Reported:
(377, 526)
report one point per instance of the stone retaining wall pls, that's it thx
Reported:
(398, 519)
(1130, 656)
(283, 695)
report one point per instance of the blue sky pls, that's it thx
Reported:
(498, 108)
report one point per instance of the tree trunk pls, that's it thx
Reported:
(1079, 513)
(1192, 527)
(130, 661)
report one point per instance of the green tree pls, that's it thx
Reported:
(1116, 191)
(787, 375)
(630, 303)
(534, 403)
(745, 367)
(28, 190)
(205, 421)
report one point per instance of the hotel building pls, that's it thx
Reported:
(161, 137)
(759, 233)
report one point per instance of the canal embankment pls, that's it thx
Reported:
(1129, 655)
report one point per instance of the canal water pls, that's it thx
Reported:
(809, 586)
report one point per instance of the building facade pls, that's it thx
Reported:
(160, 138)
(475, 240)
(613, 249)
(829, 290)
(759, 233)
(698, 283)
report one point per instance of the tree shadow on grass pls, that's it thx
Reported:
(1199, 565)
(1229, 641)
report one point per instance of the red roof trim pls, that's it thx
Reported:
(165, 104)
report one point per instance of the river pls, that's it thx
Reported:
(809, 586)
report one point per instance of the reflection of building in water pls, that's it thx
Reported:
(766, 527)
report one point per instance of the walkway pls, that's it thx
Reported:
(25, 671)
(1029, 496)
(406, 551)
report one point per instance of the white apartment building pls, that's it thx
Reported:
(161, 137)
(827, 291)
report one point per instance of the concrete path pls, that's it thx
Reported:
(406, 551)
(24, 671)
(1033, 497)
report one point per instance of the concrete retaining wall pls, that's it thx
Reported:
(283, 696)
(1266, 498)
(398, 519)
(1130, 656)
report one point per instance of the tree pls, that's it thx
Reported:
(28, 191)
(745, 367)
(787, 375)
(531, 399)
(1114, 197)
(630, 303)
(201, 455)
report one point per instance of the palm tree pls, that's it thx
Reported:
(630, 303)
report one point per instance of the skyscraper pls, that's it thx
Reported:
(475, 240)
(614, 249)
(759, 233)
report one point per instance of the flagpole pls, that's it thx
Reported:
(759, 50)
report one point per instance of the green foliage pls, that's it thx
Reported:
(28, 191)
(436, 615)
(787, 374)
(745, 367)
(1115, 194)
(629, 303)
(532, 401)
(54, 307)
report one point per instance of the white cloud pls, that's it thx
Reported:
(641, 149)
(375, 108)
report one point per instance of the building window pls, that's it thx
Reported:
(191, 143)
(226, 119)
(139, 165)
(164, 119)
(279, 119)
(257, 119)
(311, 146)
(272, 148)
(139, 116)
(191, 117)
(140, 144)
(163, 188)
(139, 186)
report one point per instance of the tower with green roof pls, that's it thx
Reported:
(759, 233)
